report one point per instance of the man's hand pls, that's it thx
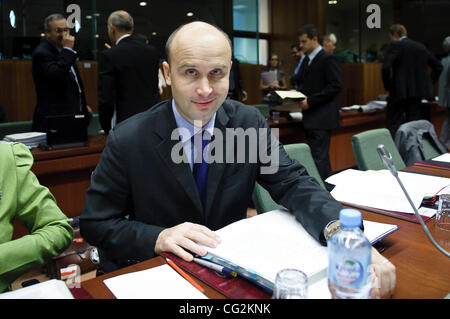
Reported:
(244, 96)
(382, 275)
(89, 109)
(68, 40)
(303, 104)
(107, 46)
(186, 236)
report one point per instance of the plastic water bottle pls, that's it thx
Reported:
(349, 257)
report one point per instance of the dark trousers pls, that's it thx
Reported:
(319, 142)
(402, 111)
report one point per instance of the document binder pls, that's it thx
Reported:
(235, 288)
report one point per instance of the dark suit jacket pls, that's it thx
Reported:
(57, 92)
(408, 60)
(236, 84)
(321, 83)
(136, 177)
(127, 80)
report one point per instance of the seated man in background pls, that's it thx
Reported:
(22, 197)
(176, 206)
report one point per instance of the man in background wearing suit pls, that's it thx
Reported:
(59, 88)
(444, 94)
(141, 202)
(127, 73)
(320, 80)
(410, 81)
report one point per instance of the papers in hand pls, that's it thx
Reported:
(291, 94)
(380, 190)
(160, 282)
(268, 77)
(275, 240)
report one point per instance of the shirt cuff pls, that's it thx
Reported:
(70, 50)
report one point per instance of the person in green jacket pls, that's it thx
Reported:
(23, 198)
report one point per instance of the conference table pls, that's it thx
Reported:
(422, 271)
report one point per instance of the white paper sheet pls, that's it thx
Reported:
(379, 189)
(160, 282)
(50, 289)
(443, 158)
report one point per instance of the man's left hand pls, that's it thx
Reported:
(304, 104)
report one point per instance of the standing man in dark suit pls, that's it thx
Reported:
(59, 88)
(127, 73)
(410, 81)
(320, 80)
(168, 209)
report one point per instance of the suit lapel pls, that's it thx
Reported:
(182, 171)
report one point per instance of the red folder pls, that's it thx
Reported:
(80, 293)
(433, 164)
(234, 288)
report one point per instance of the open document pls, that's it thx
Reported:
(379, 190)
(290, 94)
(275, 240)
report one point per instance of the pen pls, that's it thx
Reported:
(185, 275)
(218, 268)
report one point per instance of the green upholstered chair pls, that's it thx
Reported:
(264, 109)
(365, 149)
(429, 149)
(302, 153)
(9, 128)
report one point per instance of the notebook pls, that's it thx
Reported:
(258, 247)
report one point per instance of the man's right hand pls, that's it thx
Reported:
(186, 236)
(68, 40)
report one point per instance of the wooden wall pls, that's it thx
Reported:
(362, 83)
(17, 91)
(287, 17)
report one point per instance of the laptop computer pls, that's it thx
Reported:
(65, 131)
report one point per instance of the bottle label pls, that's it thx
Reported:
(349, 272)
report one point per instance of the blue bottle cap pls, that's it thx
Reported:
(350, 217)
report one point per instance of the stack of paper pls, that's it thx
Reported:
(30, 139)
(374, 105)
(379, 190)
